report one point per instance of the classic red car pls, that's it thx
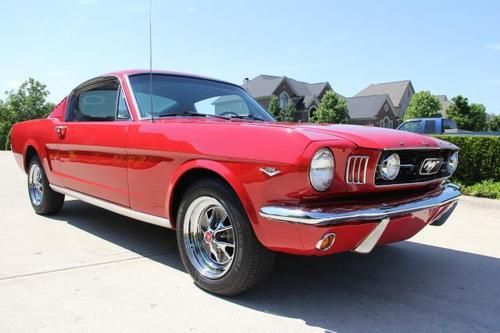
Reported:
(201, 156)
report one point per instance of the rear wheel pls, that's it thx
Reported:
(43, 199)
(216, 241)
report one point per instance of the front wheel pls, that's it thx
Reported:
(43, 199)
(216, 241)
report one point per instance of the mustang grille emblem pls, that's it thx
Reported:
(431, 166)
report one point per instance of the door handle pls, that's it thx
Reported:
(61, 131)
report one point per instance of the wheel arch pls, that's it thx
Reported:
(30, 151)
(192, 171)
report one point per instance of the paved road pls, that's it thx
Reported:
(90, 270)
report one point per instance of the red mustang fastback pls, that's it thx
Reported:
(201, 156)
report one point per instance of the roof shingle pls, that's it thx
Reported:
(365, 107)
(395, 90)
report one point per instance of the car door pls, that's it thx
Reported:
(92, 141)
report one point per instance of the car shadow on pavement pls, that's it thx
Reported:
(400, 287)
(147, 240)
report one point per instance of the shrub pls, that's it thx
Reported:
(4, 135)
(485, 189)
(274, 108)
(478, 158)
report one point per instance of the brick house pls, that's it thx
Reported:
(399, 92)
(306, 96)
(375, 110)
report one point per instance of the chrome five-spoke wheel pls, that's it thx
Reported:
(35, 184)
(216, 242)
(42, 198)
(209, 237)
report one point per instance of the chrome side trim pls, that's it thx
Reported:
(326, 216)
(367, 245)
(160, 221)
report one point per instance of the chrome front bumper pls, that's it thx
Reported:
(328, 217)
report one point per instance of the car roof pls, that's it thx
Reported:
(129, 72)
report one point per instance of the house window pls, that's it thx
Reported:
(311, 113)
(284, 100)
(386, 122)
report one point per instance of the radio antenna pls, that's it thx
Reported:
(151, 61)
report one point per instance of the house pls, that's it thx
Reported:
(306, 96)
(374, 110)
(445, 104)
(400, 93)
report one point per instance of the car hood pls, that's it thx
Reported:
(370, 137)
(299, 135)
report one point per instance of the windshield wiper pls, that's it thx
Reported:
(191, 114)
(197, 114)
(249, 116)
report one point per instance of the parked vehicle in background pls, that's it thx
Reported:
(203, 157)
(429, 126)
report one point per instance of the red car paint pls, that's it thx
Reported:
(138, 164)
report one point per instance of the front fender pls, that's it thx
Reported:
(220, 169)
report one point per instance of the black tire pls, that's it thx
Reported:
(49, 202)
(251, 262)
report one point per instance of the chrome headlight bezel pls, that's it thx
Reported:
(321, 170)
(389, 168)
(452, 163)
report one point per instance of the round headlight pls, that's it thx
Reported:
(452, 163)
(389, 168)
(321, 170)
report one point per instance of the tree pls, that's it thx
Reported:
(26, 103)
(493, 123)
(288, 114)
(423, 105)
(468, 117)
(332, 109)
(274, 108)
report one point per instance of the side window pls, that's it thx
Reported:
(122, 112)
(429, 127)
(449, 124)
(412, 126)
(95, 103)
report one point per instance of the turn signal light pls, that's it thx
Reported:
(326, 242)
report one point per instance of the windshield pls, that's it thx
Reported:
(186, 96)
(411, 126)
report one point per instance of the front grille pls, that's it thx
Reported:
(411, 165)
(356, 170)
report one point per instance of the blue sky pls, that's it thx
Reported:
(447, 47)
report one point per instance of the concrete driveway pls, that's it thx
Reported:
(90, 270)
